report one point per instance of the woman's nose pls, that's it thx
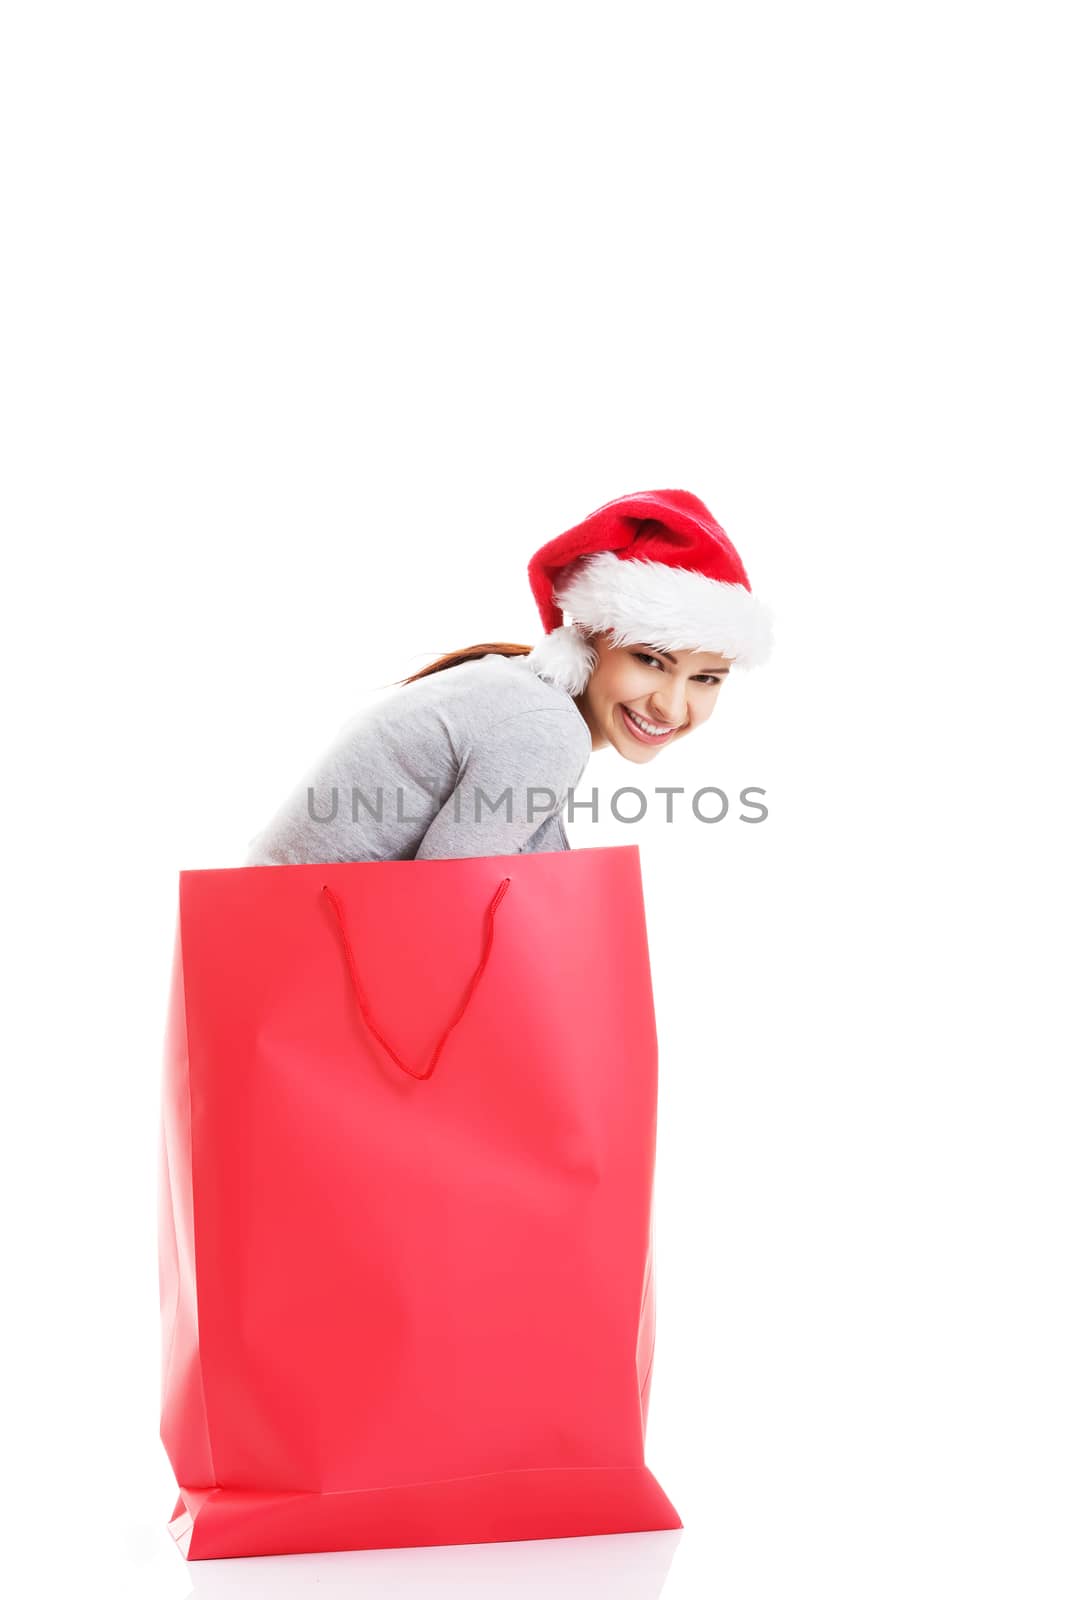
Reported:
(670, 704)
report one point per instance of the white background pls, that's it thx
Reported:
(317, 320)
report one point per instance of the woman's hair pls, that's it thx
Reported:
(472, 653)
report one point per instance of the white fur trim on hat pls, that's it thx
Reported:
(647, 602)
(563, 658)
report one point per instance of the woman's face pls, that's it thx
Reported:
(674, 691)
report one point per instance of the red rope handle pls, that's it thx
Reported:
(468, 995)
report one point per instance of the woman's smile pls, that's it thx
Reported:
(643, 730)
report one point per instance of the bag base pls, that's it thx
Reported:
(495, 1507)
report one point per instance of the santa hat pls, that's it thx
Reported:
(653, 569)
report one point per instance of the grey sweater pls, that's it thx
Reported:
(476, 760)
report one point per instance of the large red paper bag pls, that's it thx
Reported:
(406, 1233)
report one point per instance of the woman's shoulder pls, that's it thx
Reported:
(502, 695)
(493, 700)
(494, 686)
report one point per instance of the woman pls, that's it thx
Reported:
(475, 754)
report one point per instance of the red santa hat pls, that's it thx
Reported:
(653, 569)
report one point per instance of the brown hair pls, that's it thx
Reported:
(473, 652)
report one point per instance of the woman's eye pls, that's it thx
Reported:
(642, 655)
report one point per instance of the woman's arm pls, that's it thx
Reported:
(516, 774)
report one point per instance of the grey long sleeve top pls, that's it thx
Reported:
(475, 760)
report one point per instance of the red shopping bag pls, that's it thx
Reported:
(406, 1181)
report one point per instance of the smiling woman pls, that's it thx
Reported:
(648, 698)
(456, 758)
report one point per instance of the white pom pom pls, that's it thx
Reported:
(564, 658)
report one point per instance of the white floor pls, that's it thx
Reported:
(633, 1566)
